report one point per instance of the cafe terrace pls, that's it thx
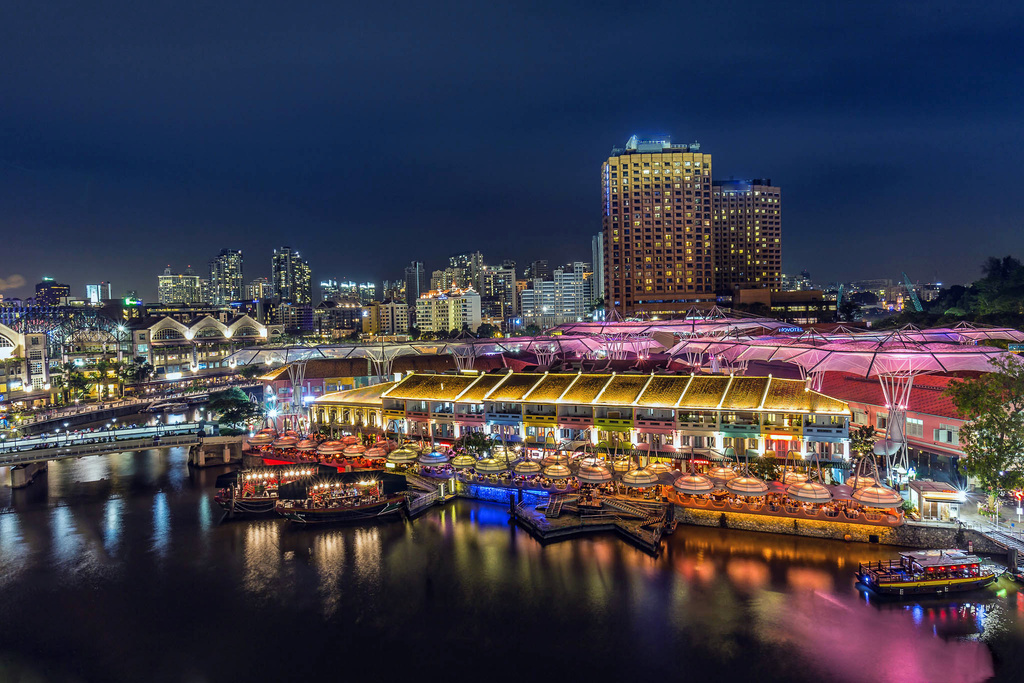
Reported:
(669, 416)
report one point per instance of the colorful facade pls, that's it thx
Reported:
(667, 414)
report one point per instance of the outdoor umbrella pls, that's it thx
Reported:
(527, 467)
(809, 492)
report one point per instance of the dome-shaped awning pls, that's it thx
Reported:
(263, 437)
(842, 492)
(746, 485)
(555, 459)
(594, 474)
(491, 465)
(402, 454)
(557, 472)
(793, 478)
(527, 467)
(433, 458)
(375, 453)
(328, 447)
(355, 449)
(658, 468)
(693, 484)
(722, 473)
(349, 440)
(306, 445)
(621, 466)
(809, 492)
(641, 478)
(464, 460)
(285, 442)
(877, 496)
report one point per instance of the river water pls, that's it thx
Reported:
(118, 568)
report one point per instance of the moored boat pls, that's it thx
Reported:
(926, 572)
(343, 497)
(254, 491)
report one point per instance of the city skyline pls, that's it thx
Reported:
(221, 137)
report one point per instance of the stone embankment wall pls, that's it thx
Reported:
(908, 535)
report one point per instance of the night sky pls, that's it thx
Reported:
(136, 135)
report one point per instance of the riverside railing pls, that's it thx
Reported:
(101, 448)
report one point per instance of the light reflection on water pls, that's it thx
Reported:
(730, 605)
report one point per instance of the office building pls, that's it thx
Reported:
(180, 288)
(329, 290)
(498, 299)
(565, 298)
(291, 277)
(446, 311)
(96, 294)
(226, 281)
(337, 314)
(415, 282)
(386, 318)
(538, 270)
(367, 292)
(258, 289)
(50, 293)
(597, 259)
(747, 235)
(452, 278)
(393, 289)
(471, 264)
(656, 199)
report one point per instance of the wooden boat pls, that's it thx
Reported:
(254, 491)
(926, 572)
(343, 497)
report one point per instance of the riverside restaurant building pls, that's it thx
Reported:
(662, 415)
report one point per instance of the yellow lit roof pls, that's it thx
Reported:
(550, 388)
(663, 391)
(432, 387)
(476, 393)
(696, 392)
(585, 389)
(514, 388)
(622, 390)
(745, 393)
(705, 391)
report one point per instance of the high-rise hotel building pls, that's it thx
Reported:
(657, 228)
(747, 235)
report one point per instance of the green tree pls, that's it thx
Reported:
(475, 442)
(766, 467)
(862, 440)
(234, 407)
(532, 330)
(486, 331)
(992, 438)
(414, 333)
(250, 371)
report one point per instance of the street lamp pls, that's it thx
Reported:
(67, 433)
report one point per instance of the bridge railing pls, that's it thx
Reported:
(120, 446)
(36, 442)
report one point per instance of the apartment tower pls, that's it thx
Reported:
(747, 224)
(657, 228)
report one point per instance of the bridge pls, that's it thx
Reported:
(26, 457)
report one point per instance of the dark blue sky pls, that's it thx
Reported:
(135, 135)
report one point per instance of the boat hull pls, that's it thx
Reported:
(925, 587)
(385, 508)
(238, 507)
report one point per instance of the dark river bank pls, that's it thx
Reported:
(119, 569)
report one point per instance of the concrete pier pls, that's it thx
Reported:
(216, 450)
(22, 475)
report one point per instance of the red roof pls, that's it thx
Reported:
(926, 396)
